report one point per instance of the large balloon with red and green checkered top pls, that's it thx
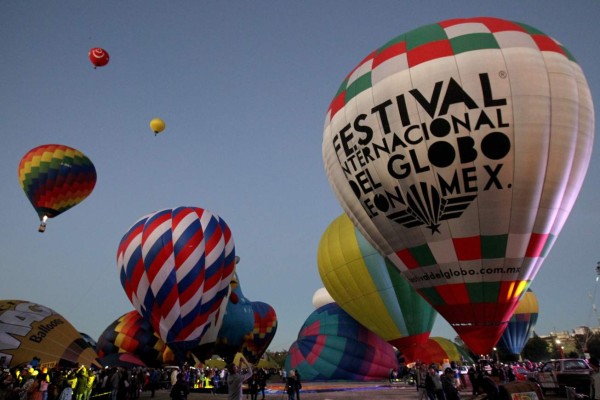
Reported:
(458, 150)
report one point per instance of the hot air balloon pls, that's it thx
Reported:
(237, 323)
(371, 289)
(520, 325)
(31, 330)
(321, 297)
(438, 349)
(55, 178)
(458, 150)
(99, 57)
(265, 326)
(331, 345)
(175, 266)
(157, 125)
(132, 334)
(89, 340)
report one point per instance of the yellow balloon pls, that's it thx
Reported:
(157, 125)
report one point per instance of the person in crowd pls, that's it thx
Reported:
(180, 389)
(236, 378)
(298, 384)
(173, 377)
(262, 382)
(28, 385)
(449, 385)
(154, 381)
(253, 384)
(485, 384)
(114, 381)
(595, 381)
(81, 383)
(433, 384)
(420, 377)
(510, 374)
(291, 385)
(66, 391)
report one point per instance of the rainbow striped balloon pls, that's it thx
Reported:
(132, 334)
(520, 325)
(55, 178)
(175, 266)
(265, 327)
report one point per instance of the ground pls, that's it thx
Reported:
(331, 390)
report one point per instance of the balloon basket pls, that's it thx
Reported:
(42, 228)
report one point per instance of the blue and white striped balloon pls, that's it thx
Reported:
(175, 267)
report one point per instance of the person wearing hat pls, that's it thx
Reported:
(595, 378)
(449, 385)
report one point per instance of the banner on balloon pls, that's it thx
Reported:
(29, 330)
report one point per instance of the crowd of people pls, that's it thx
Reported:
(447, 382)
(119, 383)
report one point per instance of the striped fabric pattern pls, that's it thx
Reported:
(55, 178)
(175, 266)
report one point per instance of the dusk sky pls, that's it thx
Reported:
(243, 87)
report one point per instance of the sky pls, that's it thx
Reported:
(243, 87)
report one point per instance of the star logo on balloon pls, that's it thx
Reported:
(425, 206)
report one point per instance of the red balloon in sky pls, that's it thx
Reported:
(99, 57)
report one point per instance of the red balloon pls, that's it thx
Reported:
(99, 57)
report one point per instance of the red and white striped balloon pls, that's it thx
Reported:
(98, 57)
(175, 267)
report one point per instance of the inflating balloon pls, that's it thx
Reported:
(371, 289)
(265, 326)
(458, 149)
(89, 340)
(175, 266)
(520, 325)
(98, 57)
(30, 330)
(331, 345)
(55, 178)
(157, 125)
(237, 323)
(321, 297)
(438, 349)
(132, 334)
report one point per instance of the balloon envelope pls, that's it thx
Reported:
(55, 178)
(157, 125)
(237, 323)
(265, 326)
(331, 345)
(175, 266)
(98, 57)
(371, 289)
(134, 335)
(458, 149)
(520, 325)
(124, 360)
(30, 330)
(438, 349)
(321, 297)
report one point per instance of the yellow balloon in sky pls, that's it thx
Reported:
(157, 125)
